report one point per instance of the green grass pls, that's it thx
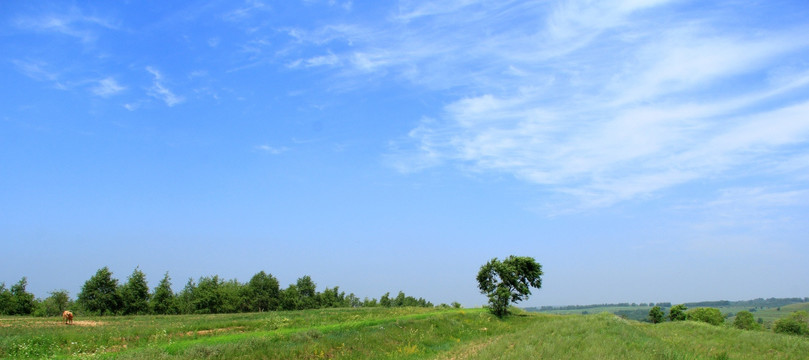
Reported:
(381, 333)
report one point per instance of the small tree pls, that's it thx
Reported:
(5, 300)
(307, 292)
(677, 312)
(208, 297)
(264, 292)
(385, 300)
(162, 301)
(744, 320)
(100, 295)
(22, 302)
(508, 281)
(135, 294)
(656, 315)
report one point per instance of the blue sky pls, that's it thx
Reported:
(639, 150)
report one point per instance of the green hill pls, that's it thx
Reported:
(386, 333)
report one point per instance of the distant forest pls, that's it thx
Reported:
(755, 303)
(103, 295)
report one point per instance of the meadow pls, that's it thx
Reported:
(385, 333)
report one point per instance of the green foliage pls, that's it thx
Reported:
(135, 294)
(5, 300)
(162, 301)
(677, 312)
(656, 315)
(264, 292)
(184, 301)
(508, 281)
(290, 298)
(207, 297)
(708, 315)
(744, 320)
(100, 295)
(307, 293)
(17, 301)
(57, 302)
(385, 300)
(332, 298)
(796, 323)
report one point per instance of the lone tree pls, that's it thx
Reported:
(508, 281)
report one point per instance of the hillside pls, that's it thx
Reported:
(381, 333)
(768, 310)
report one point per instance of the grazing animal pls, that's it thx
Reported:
(68, 317)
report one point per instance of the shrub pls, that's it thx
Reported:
(796, 323)
(656, 315)
(745, 321)
(677, 312)
(708, 315)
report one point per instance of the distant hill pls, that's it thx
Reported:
(768, 308)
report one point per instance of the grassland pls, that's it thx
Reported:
(383, 333)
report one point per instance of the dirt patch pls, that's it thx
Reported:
(214, 331)
(88, 323)
(39, 323)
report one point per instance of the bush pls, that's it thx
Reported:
(796, 323)
(656, 315)
(708, 315)
(677, 312)
(745, 321)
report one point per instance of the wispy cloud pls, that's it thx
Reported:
(597, 101)
(323, 60)
(271, 149)
(37, 70)
(246, 11)
(73, 23)
(160, 91)
(107, 87)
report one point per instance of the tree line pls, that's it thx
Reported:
(102, 294)
(755, 303)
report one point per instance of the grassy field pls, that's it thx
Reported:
(384, 333)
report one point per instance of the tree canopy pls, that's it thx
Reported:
(508, 281)
(100, 295)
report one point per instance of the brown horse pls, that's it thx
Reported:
(68, 317)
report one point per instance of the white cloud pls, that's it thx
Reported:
(271, 149)
(72, 23)
(601, 101)
(248, 10)
(160, 91)
(36, 70)
(107, 87)
(322, 60)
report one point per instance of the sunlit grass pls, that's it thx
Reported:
(386, 333)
